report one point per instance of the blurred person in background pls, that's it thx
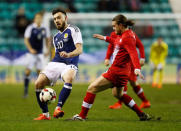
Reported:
(158, 54)
(34, 37)
(132, 78)
(21, 22)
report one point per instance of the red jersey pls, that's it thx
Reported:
(124, 56)
(125, 53)
(111, 46)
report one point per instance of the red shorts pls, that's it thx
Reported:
(119, 77)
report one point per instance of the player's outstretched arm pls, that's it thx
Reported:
(98, 36)
(106, 38)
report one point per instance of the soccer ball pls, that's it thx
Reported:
(48, 95)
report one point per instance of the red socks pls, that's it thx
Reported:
(128, 101)
(89, 100)
(124, 92)
(87, 103)
(139, 91)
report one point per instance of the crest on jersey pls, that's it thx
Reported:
(65, 35)
(43, 32)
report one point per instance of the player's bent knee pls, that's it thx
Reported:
(92, 89)
(38, 84)
(68, 79)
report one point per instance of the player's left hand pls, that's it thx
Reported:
(138, 73)
(142, 62)
(64, 54)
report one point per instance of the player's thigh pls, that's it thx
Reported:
(31, 61)
(39, 62)
(69, 73)
(42, 81)
(53, 71)
(100, 84)
(69, 76)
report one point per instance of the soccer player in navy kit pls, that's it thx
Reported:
(68, 47)
(34, 37)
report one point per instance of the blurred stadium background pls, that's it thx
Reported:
(153, 18)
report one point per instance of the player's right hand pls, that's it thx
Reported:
(101, 37)
(64, 54)
(106, 62)
(33, 51)
(138, 73)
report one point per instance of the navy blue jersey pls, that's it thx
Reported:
(36, 36)
(66, 41)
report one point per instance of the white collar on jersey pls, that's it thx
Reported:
(64, 30)
(36, 26)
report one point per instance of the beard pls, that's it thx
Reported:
(61, 27)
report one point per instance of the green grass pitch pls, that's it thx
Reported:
(16, 113)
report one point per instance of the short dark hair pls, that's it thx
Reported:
(121, 19)
(56, 10)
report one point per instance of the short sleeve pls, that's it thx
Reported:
(28, 32)
(77, 36)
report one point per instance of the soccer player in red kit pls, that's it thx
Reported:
(116, 77)
(132, 78)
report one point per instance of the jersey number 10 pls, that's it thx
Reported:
(59, 44)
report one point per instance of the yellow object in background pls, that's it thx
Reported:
(158, 54)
